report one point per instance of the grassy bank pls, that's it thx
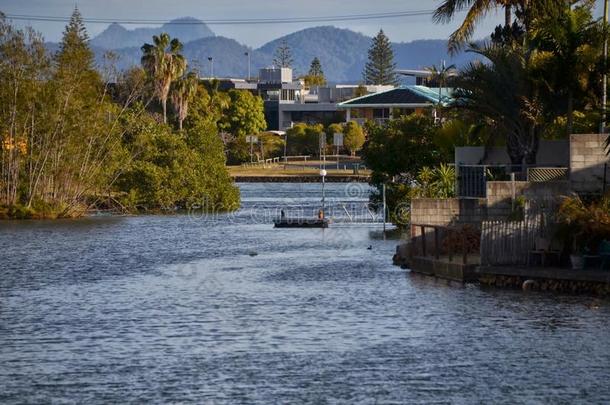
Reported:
(292, 171)
(40, 211)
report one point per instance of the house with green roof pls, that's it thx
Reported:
(392, 103)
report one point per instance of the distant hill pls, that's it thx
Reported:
(342, 52)
(116, 36)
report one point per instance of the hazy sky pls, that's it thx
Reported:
(398, 29)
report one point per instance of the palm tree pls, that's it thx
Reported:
(441, 75)
(164, 63)
(569, 48)
(477, 9)
(182, 92)
(505, 94)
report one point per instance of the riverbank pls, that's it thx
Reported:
(292, 173)
(590, 281)
(39, 211)
(312, 178)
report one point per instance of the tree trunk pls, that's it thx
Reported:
(507, 16)
(570, 123)
(180, 124)
(440, 92)
(164, 104)
(515, 151)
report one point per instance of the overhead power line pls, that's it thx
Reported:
(252, 21)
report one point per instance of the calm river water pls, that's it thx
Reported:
(226, 309)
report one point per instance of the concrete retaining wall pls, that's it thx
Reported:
(550, 153)
(437, 211)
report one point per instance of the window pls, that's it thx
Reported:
(381, 113)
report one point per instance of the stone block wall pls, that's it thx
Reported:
(497, 206)
(500, 195)
(437, 211)
(587, 159)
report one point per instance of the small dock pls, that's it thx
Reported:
(423, 257)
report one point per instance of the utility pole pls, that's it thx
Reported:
(285, 144)
(248, 55)
(322, 142)
(251, 142)
(384, 208)
(602, 128)
(211, 60)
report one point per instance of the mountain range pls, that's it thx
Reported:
(342, 52)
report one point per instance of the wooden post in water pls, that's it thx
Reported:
(465, 258)
(423, 240)
(411, 251)
(384, 208)
(436, 253)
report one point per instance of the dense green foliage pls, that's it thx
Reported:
(380, 68)
(171, 169)
(244, 115)
(304, 139)
(400, 148)
(164, 64)
(539, 78)
(583, 226)
(69, 140)
(353, 137)
(410, 155)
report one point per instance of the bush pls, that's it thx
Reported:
(582, 226)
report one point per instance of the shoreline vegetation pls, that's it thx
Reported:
(74, 135)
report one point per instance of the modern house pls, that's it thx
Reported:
(395, 102)
(288, 101)
(423, 77)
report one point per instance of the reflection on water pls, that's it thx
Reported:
(198, 309)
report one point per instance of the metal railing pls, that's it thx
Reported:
(472, 179)
(438, 248)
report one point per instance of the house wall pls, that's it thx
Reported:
(587, 159)
(497, 206)
(445, 211)
(500, 195)
(550, 153)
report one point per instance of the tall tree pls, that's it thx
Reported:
(283, 56)
(505, 92)
(315, 76)
(525, 10)
(315, 69)
(24, 64)
(75, 56)
(477, 9)
(569, 47)
(353, 137)
(164, 63)
(380, 68)
(245, 115)
(182, 92)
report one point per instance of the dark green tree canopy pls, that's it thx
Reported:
(315, 69)
(315, 76)
(380, 68)
(74, 54)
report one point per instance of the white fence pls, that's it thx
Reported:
(508, 242)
